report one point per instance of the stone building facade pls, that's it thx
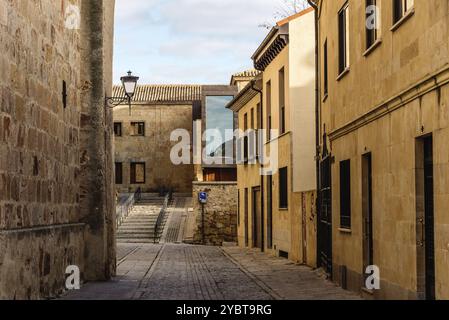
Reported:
(384, 101)
(56, 183)
(277, 210)
(247, 105)
(160, 109)
(146, 136)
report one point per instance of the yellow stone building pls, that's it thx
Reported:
(160, 116)
(384, 127)
(277, 210)
(143, 138)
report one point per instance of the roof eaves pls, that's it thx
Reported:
(294, 16)
(274, 42)
(265, 42)
(244, 96)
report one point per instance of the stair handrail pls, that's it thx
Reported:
(124, 209)
(161, 216)
(138, 194)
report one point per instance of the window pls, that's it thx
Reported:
(268, 97)
(118, 129)
(401, 8)
(245, 139)
(138, 129)
(220, 174)
(345, 194)
(138, 173)
(64, 94)
(343, 38)
(252, 118)
(238, 207)
(282, 128)
(372, 23)
(252, 145)
(283, 188)
(118, 173)
(325, 70)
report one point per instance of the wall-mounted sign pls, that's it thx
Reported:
(202, 197)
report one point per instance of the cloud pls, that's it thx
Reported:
(228, 18)
(134, 11)
(191, 41)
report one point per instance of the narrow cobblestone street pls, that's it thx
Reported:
(174, 271)
(185, 272)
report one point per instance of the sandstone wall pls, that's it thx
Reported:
(220, 213)
(42, 215)
(404, 97)
(97, 199)
(155, 147)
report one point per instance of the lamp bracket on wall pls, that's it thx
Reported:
(113, 102)
(129, 83)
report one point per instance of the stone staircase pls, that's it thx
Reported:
(140, 224)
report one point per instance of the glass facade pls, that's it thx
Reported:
(218, 120)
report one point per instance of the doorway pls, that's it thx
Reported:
(324, 232)
(257, 218)
(270, 212)
(367, 212)
(246, 218)
(425, 218)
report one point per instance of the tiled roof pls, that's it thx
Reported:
(247, 74)
(163, 93)
(247, 93)
(244, 75)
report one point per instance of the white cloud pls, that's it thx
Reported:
(189, 41)
(132, 11)
(229, 18)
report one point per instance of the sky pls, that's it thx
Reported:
(188, 41)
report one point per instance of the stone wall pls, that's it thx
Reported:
(97, 200)
(220, 213)
(154, 148)
(47, 209)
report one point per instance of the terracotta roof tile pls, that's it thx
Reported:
(163, 93)
(247, 74)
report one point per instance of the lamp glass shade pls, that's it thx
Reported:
(129, 84)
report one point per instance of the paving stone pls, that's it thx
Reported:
(185, 272)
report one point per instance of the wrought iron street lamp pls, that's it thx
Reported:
(129, 84)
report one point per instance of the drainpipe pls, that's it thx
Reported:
(317, 111)
(262, 189)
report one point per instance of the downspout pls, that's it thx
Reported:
(262, 189)
(317, 115)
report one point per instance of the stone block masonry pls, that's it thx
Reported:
(48, 217)
(153, 148)
(220, 213)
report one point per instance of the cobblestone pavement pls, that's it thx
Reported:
(284, 279)
(184, 272)
(174, 229)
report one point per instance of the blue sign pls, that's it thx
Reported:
(202, 197)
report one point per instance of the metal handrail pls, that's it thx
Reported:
(161, 216)
(138, 194)
(124, 209)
